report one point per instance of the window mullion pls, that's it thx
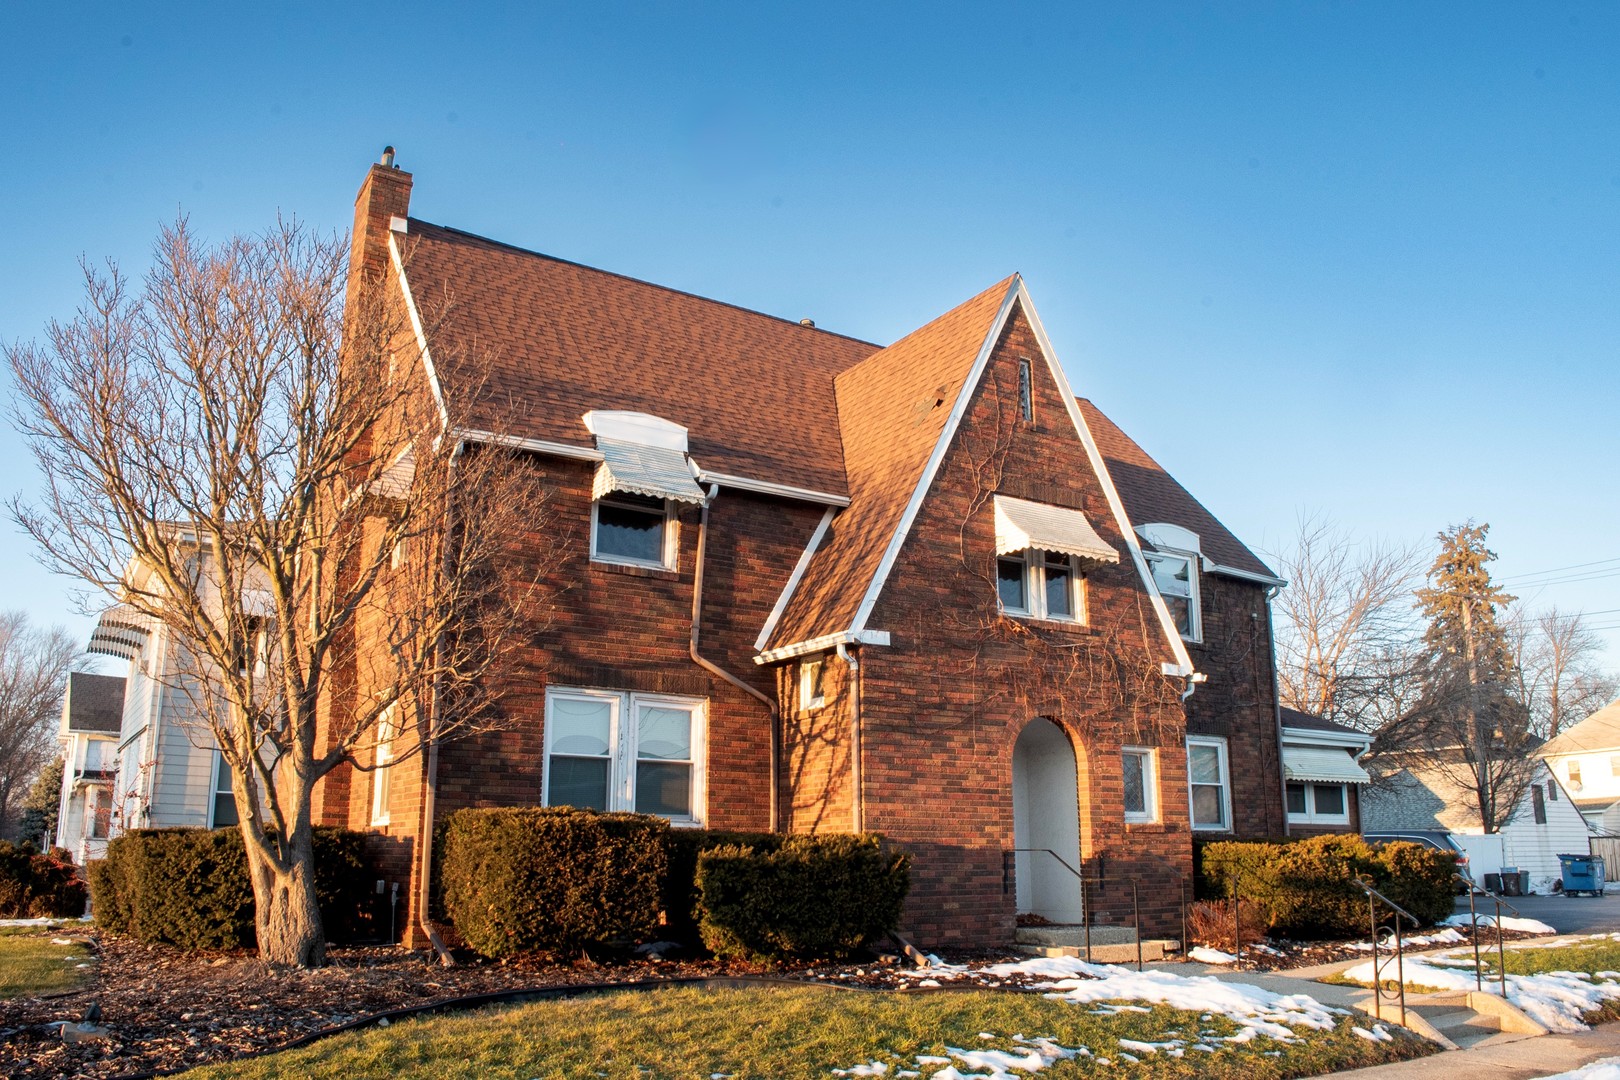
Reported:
(624, 752)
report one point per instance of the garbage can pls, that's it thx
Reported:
(1510, 881)
(1493, 884)
(1582, 874)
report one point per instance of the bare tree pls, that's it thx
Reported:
(34, 665)
(265, 474)
(1347, 640)
(1559, 679)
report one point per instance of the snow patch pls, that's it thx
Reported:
(1205, 955)
(1529, 926)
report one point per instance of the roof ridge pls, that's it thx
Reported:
(463, 233)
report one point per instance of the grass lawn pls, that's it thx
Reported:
(773, 1033)
(30, 964)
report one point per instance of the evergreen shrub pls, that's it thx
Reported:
(814, 896)
(549, 879)
(35, 886)
(190, 887)
(1307, 889)
(682, 848)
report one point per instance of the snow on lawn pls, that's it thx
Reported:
(1205, 955)
(1111, 990)
(1554, 999)
(1603, 1069)
(1448, 936)
(1529, 926)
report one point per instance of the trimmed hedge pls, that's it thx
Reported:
(190, 887)
(35, 886)
(682, 847)
(1307, 887)
(548, 879)
(813, 896)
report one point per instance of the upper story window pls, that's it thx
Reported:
(612, 750)
(1041, 585)
(812, 684)
(1173, 563)
(644, 473)
(1026, 391)
(1538, 804)
(1575, 773)
(631, 529)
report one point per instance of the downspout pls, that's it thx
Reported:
(857, 796)
(431, 788)
(697, 622)
(1276, 709)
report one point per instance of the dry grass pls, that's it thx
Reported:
(30, 965)
(1213, 924)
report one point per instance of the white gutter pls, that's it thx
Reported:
(793, 579)
(857, 778)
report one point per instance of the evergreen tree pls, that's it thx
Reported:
(37, 822)
(1468, 724)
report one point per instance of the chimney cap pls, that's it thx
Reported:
(387, 161)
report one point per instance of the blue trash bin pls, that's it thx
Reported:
(1582, 874)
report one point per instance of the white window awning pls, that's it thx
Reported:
(1021, 524)
(1322, 764)
(120, 631)
(660, 472)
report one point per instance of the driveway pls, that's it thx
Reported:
(1566, 914)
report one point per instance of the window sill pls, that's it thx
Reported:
(1144, 824)
(1055, 624)
(632, 570)
(1295, 820)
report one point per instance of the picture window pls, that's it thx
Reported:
(612, 751)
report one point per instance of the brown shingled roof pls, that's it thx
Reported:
(1152, 495)
(892, 408)
(754, 391)
(1308, 722)
(95, 702)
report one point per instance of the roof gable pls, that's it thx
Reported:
(1597, 733)
(1153, 495)
(754, 391)
(895, 409)
(94, 702)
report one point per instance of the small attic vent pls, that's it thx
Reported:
(936, 400)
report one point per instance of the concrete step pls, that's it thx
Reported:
(1153, 949)
(1073, 935)
(1460, 1021)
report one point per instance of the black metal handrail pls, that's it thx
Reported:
(1473, 927)
(1100, 882)
(1374, 897)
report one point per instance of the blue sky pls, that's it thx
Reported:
(1356, 257)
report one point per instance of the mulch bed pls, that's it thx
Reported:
(167, 1009)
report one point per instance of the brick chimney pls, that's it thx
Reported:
(385, 195)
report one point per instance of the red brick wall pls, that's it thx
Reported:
(1238, 701)
(943, 706)
(816, 765)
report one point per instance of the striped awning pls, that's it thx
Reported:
(656, 471)
(1021, 525)
(121, 631)
(1323, 764)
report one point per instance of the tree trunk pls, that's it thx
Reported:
(286, 914)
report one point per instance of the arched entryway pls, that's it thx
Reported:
(1046, 816)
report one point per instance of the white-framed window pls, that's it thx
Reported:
(1209, 785)
(222, 811)
(812, 683)
(383, 766)
(616, 750)
(1176, 576)
(633, 530)
(1141, 784)
(1041, 585)
(1318, 804)
(99, 804)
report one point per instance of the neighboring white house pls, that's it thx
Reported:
(1586, 759)
(169, 770)
(1413, 795)
(92, 712)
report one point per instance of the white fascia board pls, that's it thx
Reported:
(823, 643)
(935, 459)
(1247, 575)
(538, 446)
(416, 325)
(766, 487)
(1313, 737)
(1115, 504)
(794, 578)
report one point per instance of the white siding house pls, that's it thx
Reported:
(1411, 796)
(92, 711)
(1586, 760)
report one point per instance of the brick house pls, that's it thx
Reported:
(809, 583)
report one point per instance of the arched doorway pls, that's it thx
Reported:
(1046, 815)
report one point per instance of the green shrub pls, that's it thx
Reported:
(814, 896)
(1307, 887)
(680, 893)
(551, 879)
(1419, 878)
(35, 886)
(190, 887)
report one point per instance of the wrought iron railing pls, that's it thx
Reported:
(1090, 885)
(1374, 898)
